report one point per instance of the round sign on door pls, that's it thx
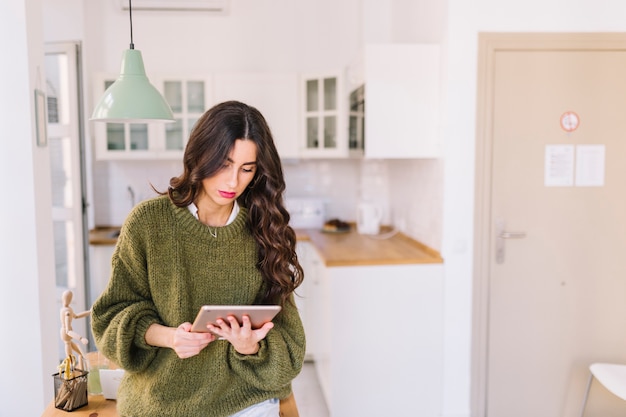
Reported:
(569, 121)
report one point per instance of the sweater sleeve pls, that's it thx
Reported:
(123, 312)
(281, 354)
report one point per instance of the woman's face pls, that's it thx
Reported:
(223, 188)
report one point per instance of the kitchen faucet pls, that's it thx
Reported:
(131, 192)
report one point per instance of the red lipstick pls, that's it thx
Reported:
(226, 194)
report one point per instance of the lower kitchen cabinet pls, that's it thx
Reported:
(378, 337)
(313, 266)
(99, 270)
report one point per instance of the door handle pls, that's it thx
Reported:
(501, 236)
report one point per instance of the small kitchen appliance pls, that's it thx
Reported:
(306, 212)
(368, 218)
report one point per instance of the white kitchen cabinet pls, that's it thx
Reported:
(99, 270)
(324, 116)
(313, 266)
(188, 97)
(402, 100)
(275, 95)
(356, 121)
(380, 331)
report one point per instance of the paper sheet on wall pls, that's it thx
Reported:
(559, 166)
(590, 165)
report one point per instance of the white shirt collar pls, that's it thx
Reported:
(233, 214)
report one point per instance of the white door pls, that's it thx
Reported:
(551, 245)
(66, 178)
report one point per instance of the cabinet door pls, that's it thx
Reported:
(402, 101)
(302, 293)
(120, 140)
(356, 120)
(189, 97)
(324, 115)
(275, 95)
(386, 324)
(99, 270)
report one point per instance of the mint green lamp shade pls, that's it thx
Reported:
(131, 98)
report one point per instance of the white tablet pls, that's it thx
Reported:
(259, 315)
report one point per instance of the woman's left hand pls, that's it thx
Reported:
(244, 339)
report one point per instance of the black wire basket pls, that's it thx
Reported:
(71, 393)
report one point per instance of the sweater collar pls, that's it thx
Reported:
(233, 214)
(189, 223)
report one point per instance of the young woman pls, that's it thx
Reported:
(219, 235)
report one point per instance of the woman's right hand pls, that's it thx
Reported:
(187, 343)
(184, 342)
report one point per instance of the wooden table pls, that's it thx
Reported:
(96, 406)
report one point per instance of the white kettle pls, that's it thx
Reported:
(368, 218)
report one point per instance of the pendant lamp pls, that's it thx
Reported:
(131, 98)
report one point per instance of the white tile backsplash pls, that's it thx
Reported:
(112, 197)
(374, 186)
(335, 181)
(416, 198)
(410, 191)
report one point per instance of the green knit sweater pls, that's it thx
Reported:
(165, 266)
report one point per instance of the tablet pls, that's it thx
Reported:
(259, 315)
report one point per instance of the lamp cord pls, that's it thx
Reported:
(130, 13)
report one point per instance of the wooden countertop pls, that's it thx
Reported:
(353, 249)
(104, 235)
(337, 249)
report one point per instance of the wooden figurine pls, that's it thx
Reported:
(67, 333)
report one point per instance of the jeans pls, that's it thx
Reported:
(268, 408)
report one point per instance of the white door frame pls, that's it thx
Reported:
(489, 44)
(72, 126)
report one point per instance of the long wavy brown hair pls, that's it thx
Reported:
(209, 145)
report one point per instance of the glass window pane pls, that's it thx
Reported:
(115, 136)
(59, 232)
(195, 96)
(174, 135)
(330, 132)
(330, 93)
(352, 132)
(312, 95)
(61, 177)
(64, 250)
(311, 132)
(173, 91)
(56, 95)
(191, 123)
(362, 133)
(138, 136)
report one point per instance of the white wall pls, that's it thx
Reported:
(464, 21)
(27, 300)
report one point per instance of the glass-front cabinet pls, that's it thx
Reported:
(356, 120)
(188, 101)
(325, 133)
(188, 98)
